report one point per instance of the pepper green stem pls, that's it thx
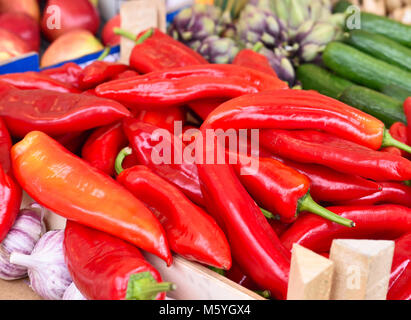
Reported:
(257, 47)
(389, 141)
(118, 165)
(308, 204)
(132, 36)
(265, 294)
(217, 270)
(407, 183)
(142, 286)
(104, 54)
(268, 214)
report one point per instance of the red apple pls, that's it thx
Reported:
(24, 26)
(11, 45)
(108, 35)
(69, 46)
(30, 7)
(78, 14)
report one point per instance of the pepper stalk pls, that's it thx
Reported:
(143, 286)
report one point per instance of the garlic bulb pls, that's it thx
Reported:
(48, 273)
(21, 238)
(72, 293)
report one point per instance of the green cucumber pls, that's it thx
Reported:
(341, 6)
(313, 77)
(385, 108)
(363, 69)
(397, 93)
(392, 29)
(381, 48)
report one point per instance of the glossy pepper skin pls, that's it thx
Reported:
(391, 192)
(77, 191)
(10, 200)
(10, 191)
(299, 109)
(191, 232)
(254, 244)
(407, 111)
(68, 73)
(55, 113)
(254, 60)
(179, 86)
(103, 146)
(328, 185)
(161, 52)
(5, 146)
(183, 175)
(35, 80)
(101, 265)
(372, 222)
(98, 72)
(309, 146)
(400, 280)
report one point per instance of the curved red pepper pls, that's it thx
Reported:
(328, 185)
(5, 146)
(204, 107)
(254, 244)
(163, 119)
(106, 268)
(184, 175)
(179, 86)
(299, 109)
(391, 192)
(316, 147)
(35, 80)
(68, 73)
(191, 232)
(400, 280)
(98, 72)
(77, 191)
(372, 222)
(55, 113)
(155, 51)
(254, 60)
(103, 146)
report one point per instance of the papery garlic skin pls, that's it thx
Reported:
(22, 238)
(48, 273)
(72, 293)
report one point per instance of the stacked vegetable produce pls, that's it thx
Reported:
(86, 140)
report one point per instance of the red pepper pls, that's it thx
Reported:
(163, 119)
(106, 268)
(156, 51)
(391, 192)
(73, 141)
(179, 86)
(103, 146)
(35, 80)
(400, 280)
(280, 189)
(299, 109)
(77, 191)
(407, 111)
(98, 72)
(252, 59)
(328, 185)
(205, 106)
(68, 73)
(5, 146)
(55, 113)
(126, 74)
(191, 232)
(184, 175)
(254, 244)
(10, 200)
(311, 146)
(372, 222)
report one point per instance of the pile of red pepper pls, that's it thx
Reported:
(84, 145)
